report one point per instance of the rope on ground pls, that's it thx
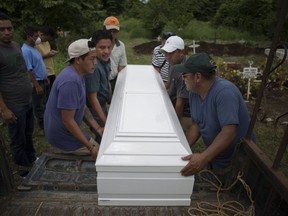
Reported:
(36, 213)
(226, 208)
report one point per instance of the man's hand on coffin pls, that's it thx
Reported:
(196, 163)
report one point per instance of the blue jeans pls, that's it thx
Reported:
(20, 134)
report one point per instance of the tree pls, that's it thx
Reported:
(207, 9)
(157, 13)
(113, 7)
(255, 16)
(73, 15)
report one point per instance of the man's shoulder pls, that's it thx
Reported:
(12, 45)
(119, 43)
(223, 83)
(15, 44)
(68, 71)
(27, 49)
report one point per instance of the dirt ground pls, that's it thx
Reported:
(234, 49)
(274, 102)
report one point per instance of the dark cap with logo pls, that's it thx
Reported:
(200, 62)
(166, 35)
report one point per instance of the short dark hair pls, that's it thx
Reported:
(4, 16)
(47, 30)
(29, 31)
(101, 34)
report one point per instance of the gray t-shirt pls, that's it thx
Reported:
(15, 85)
(177, 88)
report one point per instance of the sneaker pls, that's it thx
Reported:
(37, 158)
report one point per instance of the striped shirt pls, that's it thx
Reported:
(159, 61)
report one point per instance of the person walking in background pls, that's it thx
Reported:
(219, 114)
(66, 107)
(159, 61)
(37, 73)
(118, 55)
(173, 50)
(98, 88)
(16, 97)
(46, 34)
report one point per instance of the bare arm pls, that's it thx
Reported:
(198, 161)
(50, 54)
(7, 115)
(120, 68)
(179, 106)
(36, 85)
(221, 142)
(157, 68)
(89, 120)
(93, 100)
(193, 134)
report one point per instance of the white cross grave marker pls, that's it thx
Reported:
(194, 46)
(249, 72)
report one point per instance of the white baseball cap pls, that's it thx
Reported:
(79, 48)
(173, 43)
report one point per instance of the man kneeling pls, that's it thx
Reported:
(66, 106)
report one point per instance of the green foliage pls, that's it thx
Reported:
(70, 15)
(82, 17)
(157, 13)
(113, 7)
(133, 9)
(256, 17)
(232, 71)
(133, 58)
(207, 9)
(59, 60)
(198, 30)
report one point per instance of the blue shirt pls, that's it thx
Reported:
(34, 62)
(98, 82)
(68, 92)
(223, 105)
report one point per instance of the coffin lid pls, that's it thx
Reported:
(142, 131)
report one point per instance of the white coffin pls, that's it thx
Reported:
(139, 160)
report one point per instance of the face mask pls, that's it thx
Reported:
(38, 41)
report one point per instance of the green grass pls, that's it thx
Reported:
(59, 60)
(269, 138)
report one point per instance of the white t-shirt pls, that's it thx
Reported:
(118, 58)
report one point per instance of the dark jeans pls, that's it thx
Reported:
(20, 134)
(39, 102)
(51, 79)
(113, 83)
